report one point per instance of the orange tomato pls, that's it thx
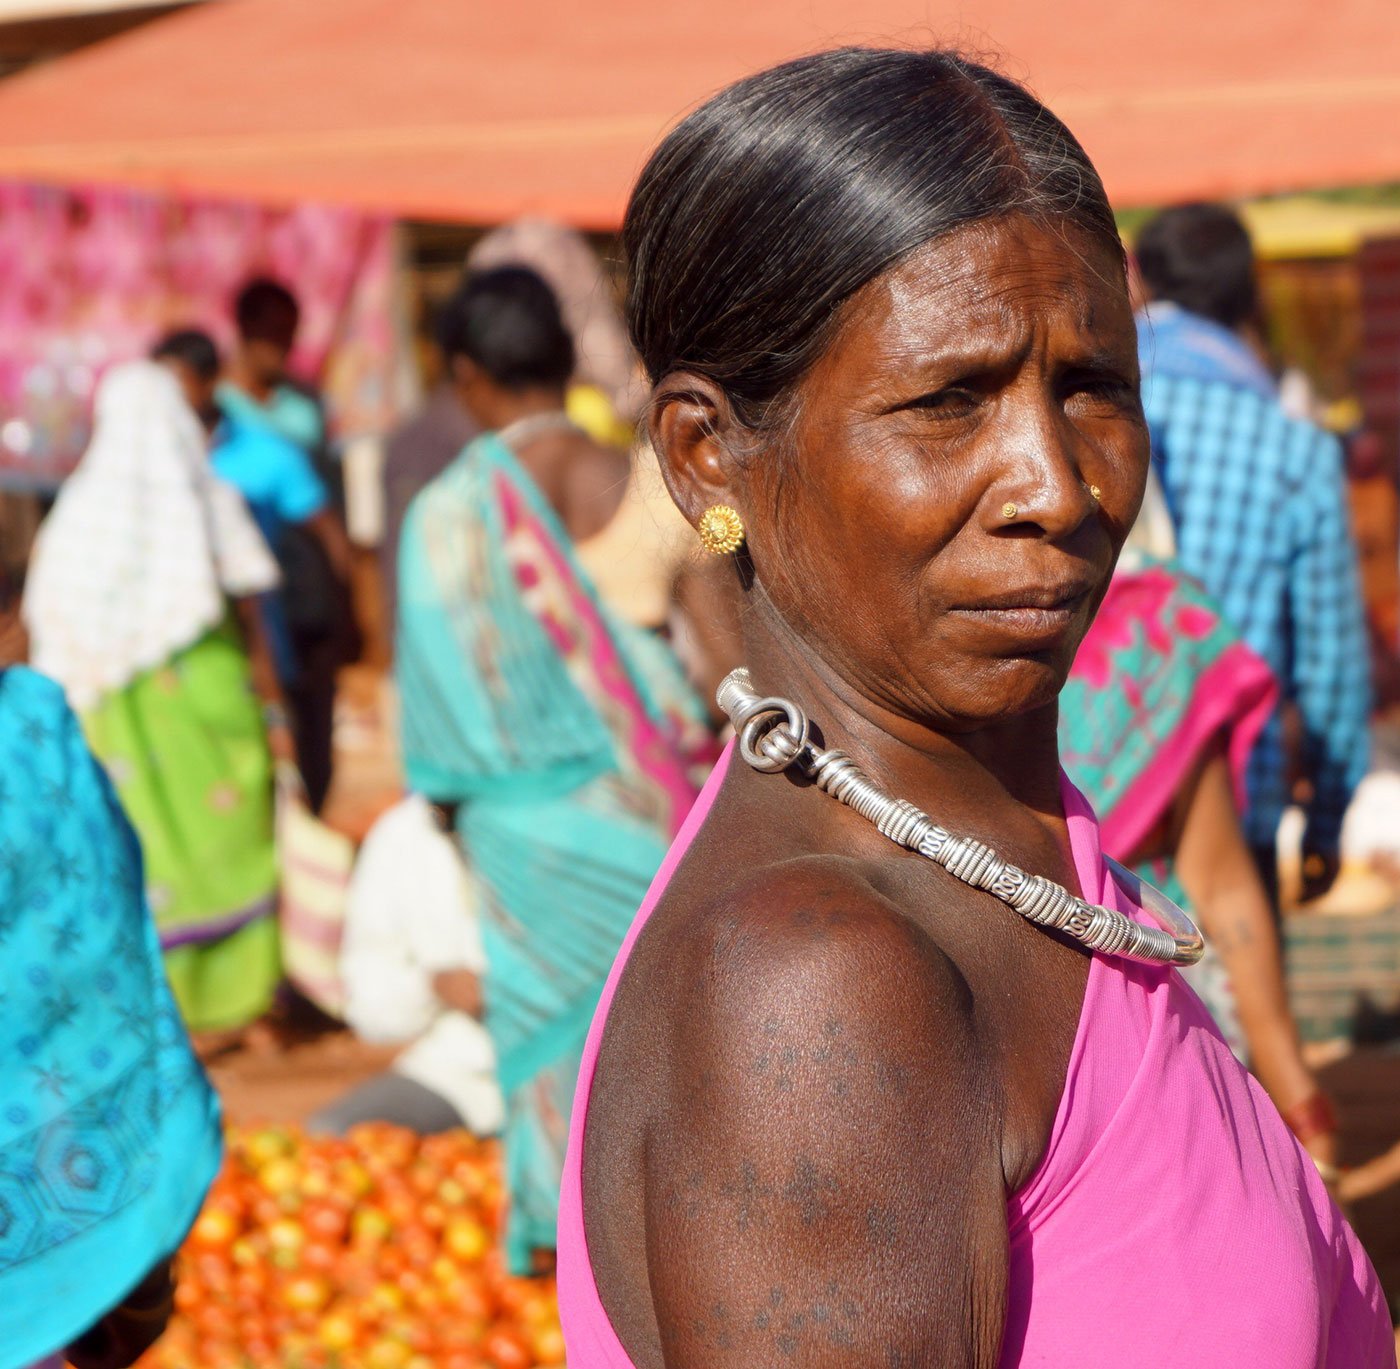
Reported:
(539, 1307)
(466, 1240)
(547, 1343)
(214, 1229)
(213, 1270)
(387, 1354)
(370, 1224)
(423, 1179)
(326, 1220)
(280, 1176)
(285, 1234)
(188, 1295)
(338, 1330)
(473, 1301)
(505, 1348)
(214, 1321)
(257, 1348)
(375, 1252)
(388, 1298)
(320, 1257)
(306, 1293)
(461, 1359)
(266, 1144)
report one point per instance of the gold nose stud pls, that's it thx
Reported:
(1095, 491)
(1009, 510)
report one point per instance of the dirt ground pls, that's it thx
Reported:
(290, 1085)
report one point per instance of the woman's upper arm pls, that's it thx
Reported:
(828, 1190)
(1212, 858)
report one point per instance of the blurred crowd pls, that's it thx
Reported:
(557, 637)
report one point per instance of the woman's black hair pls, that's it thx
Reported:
(1199, 256)
(773, 203)
(507, 321)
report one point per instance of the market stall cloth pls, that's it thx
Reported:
(93, 275)
(442, 110)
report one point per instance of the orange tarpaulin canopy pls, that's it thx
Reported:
(480, 110)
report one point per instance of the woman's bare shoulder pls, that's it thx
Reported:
(808, 947)
(826, 1111)
(821, 922)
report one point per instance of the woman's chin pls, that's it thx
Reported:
(1002, 690)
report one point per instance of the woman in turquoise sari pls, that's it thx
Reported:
(109, 1132)
(1156, 722)
(568, 744)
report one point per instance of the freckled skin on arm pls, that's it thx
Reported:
(830, 1193)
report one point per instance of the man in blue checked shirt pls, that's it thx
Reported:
(1259, 503)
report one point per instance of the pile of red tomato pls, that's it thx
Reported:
(378, 1251)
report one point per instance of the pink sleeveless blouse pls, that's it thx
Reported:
(1173, 1219)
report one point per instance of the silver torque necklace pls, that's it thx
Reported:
(774, 735)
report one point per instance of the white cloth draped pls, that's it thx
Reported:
(144, 546)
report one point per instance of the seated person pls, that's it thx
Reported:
(411, 962)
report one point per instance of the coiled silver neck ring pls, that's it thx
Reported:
(775, 735)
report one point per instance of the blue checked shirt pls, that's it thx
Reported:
(1260, 509)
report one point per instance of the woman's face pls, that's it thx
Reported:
(931, 531)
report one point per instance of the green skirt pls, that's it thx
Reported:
(185, 747)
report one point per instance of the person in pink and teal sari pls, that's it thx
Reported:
(1157, 720)
(568, 744)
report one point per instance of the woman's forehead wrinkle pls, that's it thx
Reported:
(975, 299)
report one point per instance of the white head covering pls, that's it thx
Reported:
(144, 546)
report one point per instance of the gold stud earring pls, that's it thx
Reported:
(721, 530)
(1009, 510)
(1095, 491)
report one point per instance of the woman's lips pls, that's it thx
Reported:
(1033, 626)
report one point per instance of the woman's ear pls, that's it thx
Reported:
(695, 434)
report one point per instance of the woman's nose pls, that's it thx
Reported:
(1041, 484)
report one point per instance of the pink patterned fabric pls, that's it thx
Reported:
(93, 276)
(1173, 1219)
(1158, 676)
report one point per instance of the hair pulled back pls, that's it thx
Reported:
(779, 198)
(507, 320)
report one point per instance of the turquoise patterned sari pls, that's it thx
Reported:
(574, 747)
(109, 1132)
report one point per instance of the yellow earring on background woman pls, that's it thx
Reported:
(721, 530)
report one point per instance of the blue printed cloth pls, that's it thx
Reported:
(1259, 503)
(109, 1131)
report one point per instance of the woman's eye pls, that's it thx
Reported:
(1103, 392)
(952, 401)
